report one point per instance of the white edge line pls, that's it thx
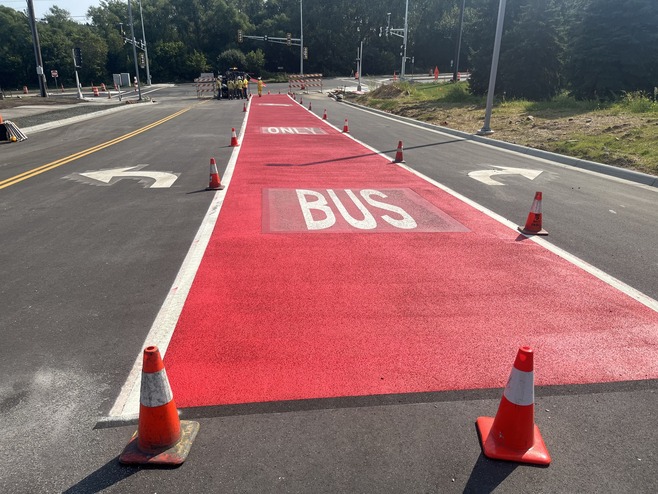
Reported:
(576, 261)
(126, 406)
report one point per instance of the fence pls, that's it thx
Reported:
(305, 81)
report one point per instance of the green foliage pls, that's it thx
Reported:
(231, 58)
(638, 102)
(613, 49)
(598, 48)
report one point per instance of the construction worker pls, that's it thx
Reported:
(231, 87)
(245, 87)
(260, 87)
(238, 87)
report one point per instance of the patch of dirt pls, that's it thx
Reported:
(387, 91)
(16, 101)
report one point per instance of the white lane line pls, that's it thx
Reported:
(576, 261)
(126, 406)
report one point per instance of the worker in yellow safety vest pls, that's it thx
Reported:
(245, 87)
(260, 87)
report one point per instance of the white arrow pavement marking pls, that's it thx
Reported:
(162, 179)
(484, 176)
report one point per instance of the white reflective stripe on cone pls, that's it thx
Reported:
(520, 389)
(155, 390)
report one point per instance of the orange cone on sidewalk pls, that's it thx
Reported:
(346, 127)
(215, 183)
(399, 158)
(533, 223)
(512, 435)
(161, 438)
(324, 115)
(234, 138)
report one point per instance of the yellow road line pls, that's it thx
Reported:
(62, 161)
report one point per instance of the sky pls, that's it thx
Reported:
(77, 8)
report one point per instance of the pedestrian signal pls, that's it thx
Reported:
(289, 39)
(77, 57)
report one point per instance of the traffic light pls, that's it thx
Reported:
(239, 35)
(306, 53)
(77, 57)
(288, 39)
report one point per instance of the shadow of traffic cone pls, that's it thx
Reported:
(512, 435)
(215, 183)
(324, 115)
(346, 127)
(234, 138)
(398, 155)
(533, 223)
(161, 437)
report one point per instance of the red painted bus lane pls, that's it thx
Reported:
(332, 272)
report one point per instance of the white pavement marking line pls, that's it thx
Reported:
(161, 180)
(126, 406)
(484, 176)
(576, 261)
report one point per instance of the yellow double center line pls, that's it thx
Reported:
(54, 164)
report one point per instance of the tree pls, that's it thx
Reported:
(531, 63)
(614, 49)
(17, 67)
(231, 58)
(255, 61)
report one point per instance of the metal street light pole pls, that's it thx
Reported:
(146, 53)
(132, 35)
(486, 129)
(406, 31)
(301, 39)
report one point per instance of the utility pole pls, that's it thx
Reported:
(406, 32)
(146, 53)
(37, 49)
(132, 34)
(459, 42)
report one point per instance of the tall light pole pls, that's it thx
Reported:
(406, 31)
(486, 128)
(146, 53)
(132, 35)
(301, 39)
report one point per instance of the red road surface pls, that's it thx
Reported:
(332, 272)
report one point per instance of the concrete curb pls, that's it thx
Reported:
(630, 175)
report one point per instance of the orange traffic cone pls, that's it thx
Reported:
(234, 138)
(533, 223)
(324, 115)
(398, 155)
(310, 106)
(301, 100)
(215, 183)
(346, 127)
(161, 437)
(244, 107)
(512, 435)
(1, 119)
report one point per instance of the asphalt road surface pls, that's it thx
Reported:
(86, 267)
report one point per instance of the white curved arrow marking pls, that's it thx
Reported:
(161, 179)
(484, 176)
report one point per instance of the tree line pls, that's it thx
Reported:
(592, 48)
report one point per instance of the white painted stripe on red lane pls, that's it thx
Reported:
(126, 406)
(576, 261)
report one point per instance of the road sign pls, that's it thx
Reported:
(53, 73)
